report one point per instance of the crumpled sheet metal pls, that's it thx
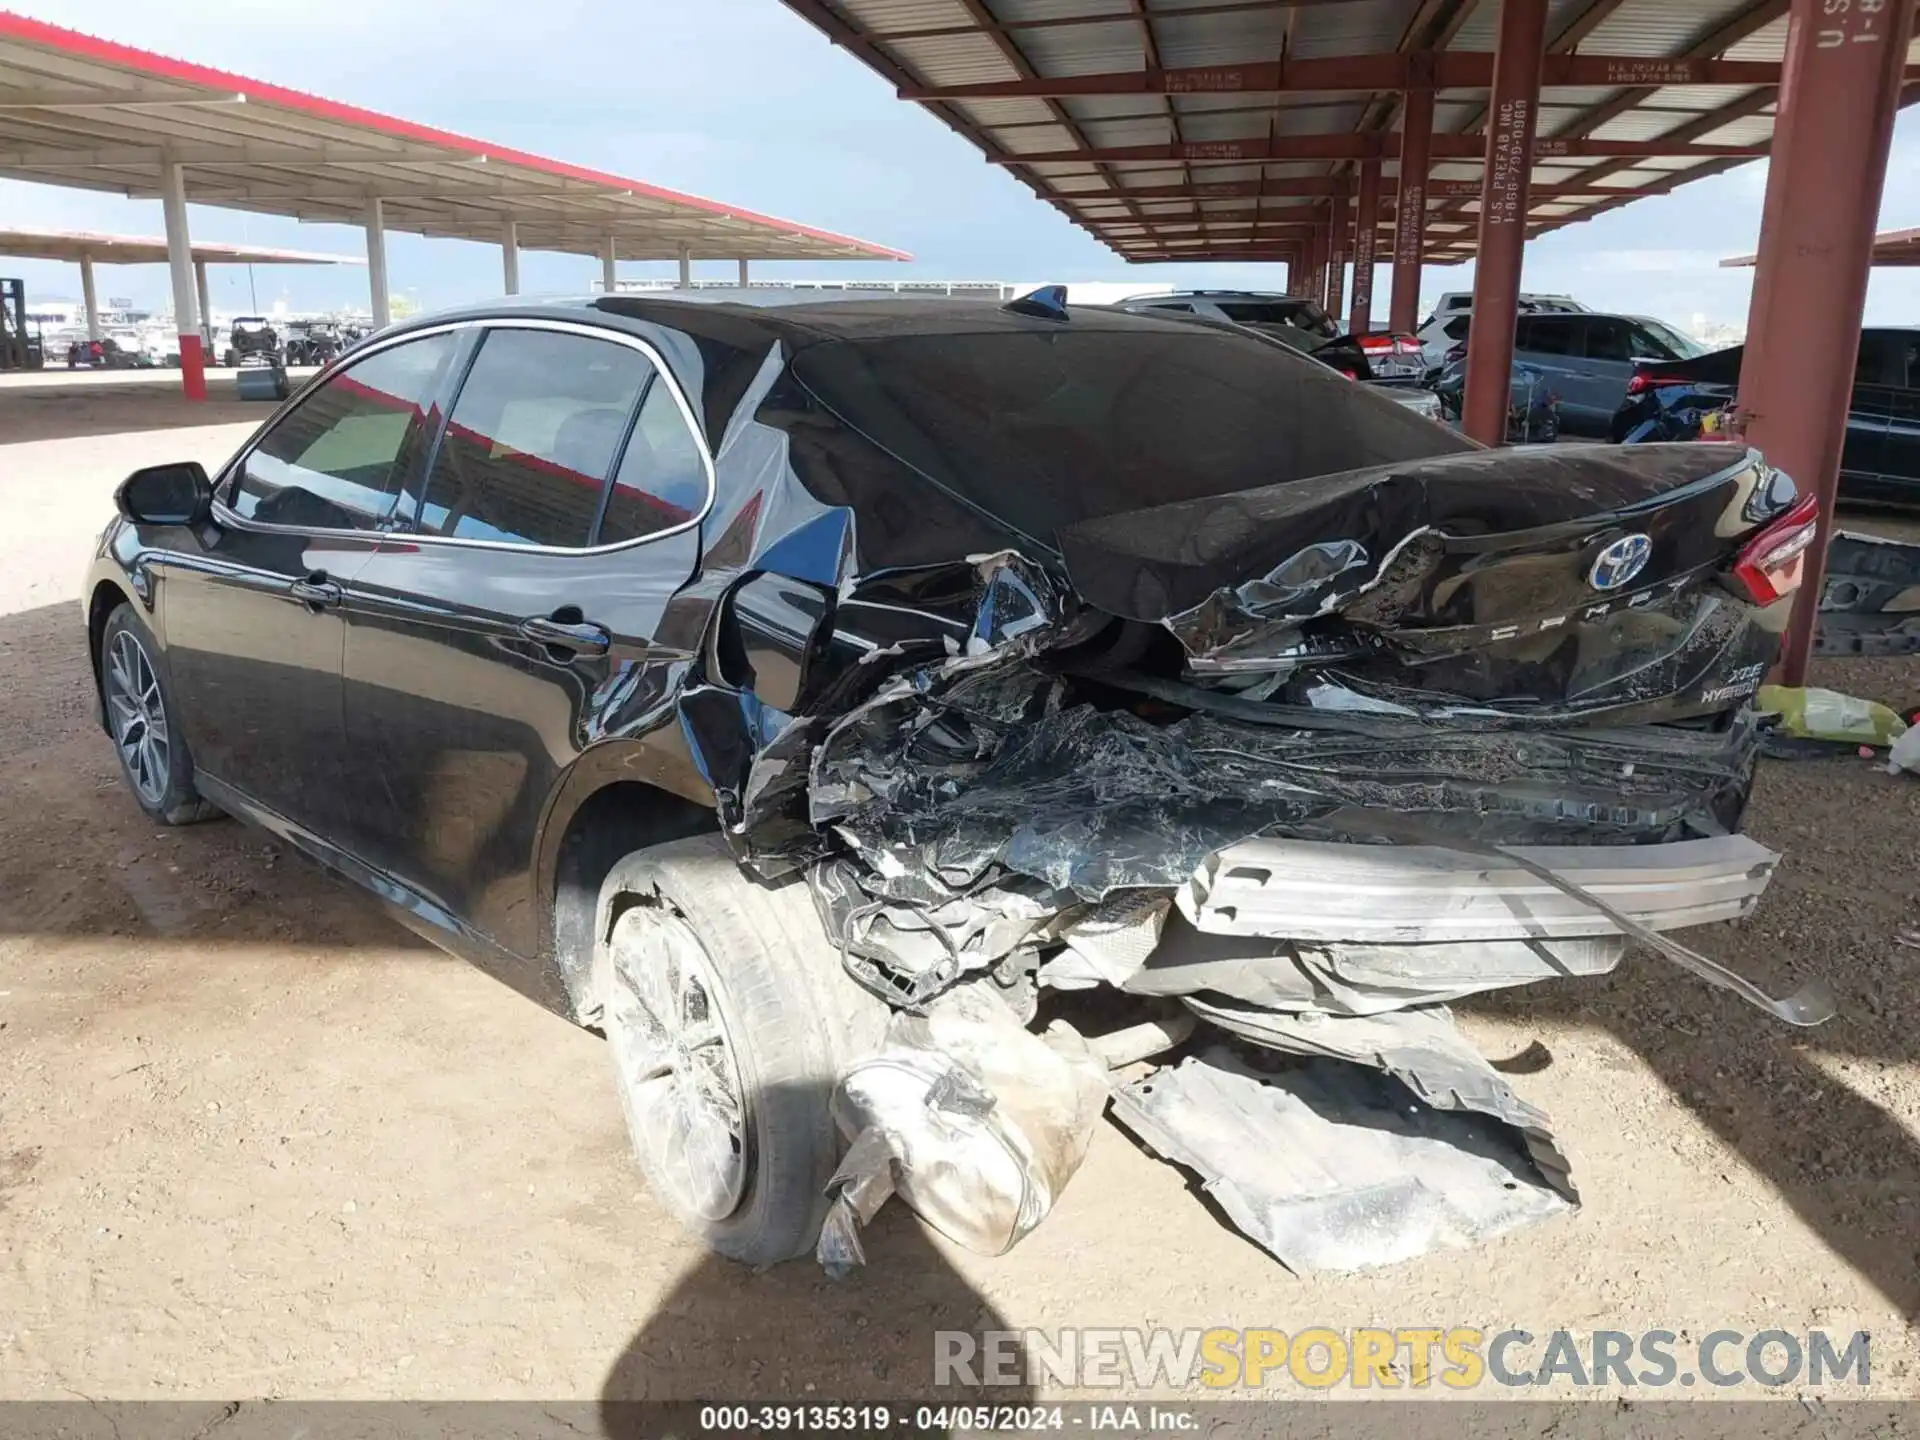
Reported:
(1419, 1047)
(1331, 1166)
(1263, 616)
(973, 1120)
(992, 771)
(1354, 979)
(1113, 940)
(1156, 563)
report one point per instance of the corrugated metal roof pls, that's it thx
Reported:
(79, 111)
(1364, 27)
(1221, 148)
(1217, 39)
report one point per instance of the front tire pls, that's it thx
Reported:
(729, 1019)
(154, 759)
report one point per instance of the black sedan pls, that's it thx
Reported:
(1880, 458)
(725, 677)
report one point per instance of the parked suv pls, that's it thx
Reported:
(1880, 462)
(1446, 326)
(729, 679)
(1241, 307)
(1587, 360)
(1392, 362)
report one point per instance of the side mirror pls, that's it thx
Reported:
(177, 494)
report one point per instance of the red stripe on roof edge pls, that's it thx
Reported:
(91, 47)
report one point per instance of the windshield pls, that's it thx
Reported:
(1045, 428)
(1684, 346)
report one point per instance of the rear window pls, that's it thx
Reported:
(1047, 428)
(1548, 336)
(1301, 314)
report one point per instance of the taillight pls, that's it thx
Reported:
(1643, 382)
(1350, 374)
(1376, 344)
(1458, 352)
(1769, 565)
(1406, 345)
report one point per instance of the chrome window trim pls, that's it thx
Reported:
(225, 515)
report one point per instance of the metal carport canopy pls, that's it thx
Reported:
(1890, 247)
(77, 245)
(1212, 129)
(80, 111)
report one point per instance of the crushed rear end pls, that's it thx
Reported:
(1311, 761)
(1277, 770)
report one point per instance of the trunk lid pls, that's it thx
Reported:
(1717, 367)
(1582, 577)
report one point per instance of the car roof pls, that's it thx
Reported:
(799, 324)
(1217, 295)
(1583, 315)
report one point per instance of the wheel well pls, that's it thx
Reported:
(611, 824)
(106, 598)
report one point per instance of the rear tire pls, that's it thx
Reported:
(153, 754)
(729, 1019)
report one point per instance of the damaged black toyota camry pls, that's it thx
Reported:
(815, 697)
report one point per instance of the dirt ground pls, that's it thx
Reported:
(255, 1140)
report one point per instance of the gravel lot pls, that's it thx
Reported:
(255, 1140)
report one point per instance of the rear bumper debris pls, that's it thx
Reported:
(1327, 1167)
(1304, 890)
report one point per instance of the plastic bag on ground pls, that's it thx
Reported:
(1905, 754)
(1810, 713)
(973, 1120)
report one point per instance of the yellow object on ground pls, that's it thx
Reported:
(1810, 713)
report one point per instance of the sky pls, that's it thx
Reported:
(742, 101)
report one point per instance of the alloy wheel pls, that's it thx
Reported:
(138, 716)
(681, 1079)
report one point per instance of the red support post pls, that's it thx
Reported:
(1313, 273)
(1365, 240)
(1503, 217)
(1839, 90)
(1410, 211)
(1339, 245)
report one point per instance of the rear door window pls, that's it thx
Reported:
(662, 480)
(1611, 339)
(338, 460)
(1548, 335)
(532, 438)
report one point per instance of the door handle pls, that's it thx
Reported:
(316, 592)
(576, 637)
